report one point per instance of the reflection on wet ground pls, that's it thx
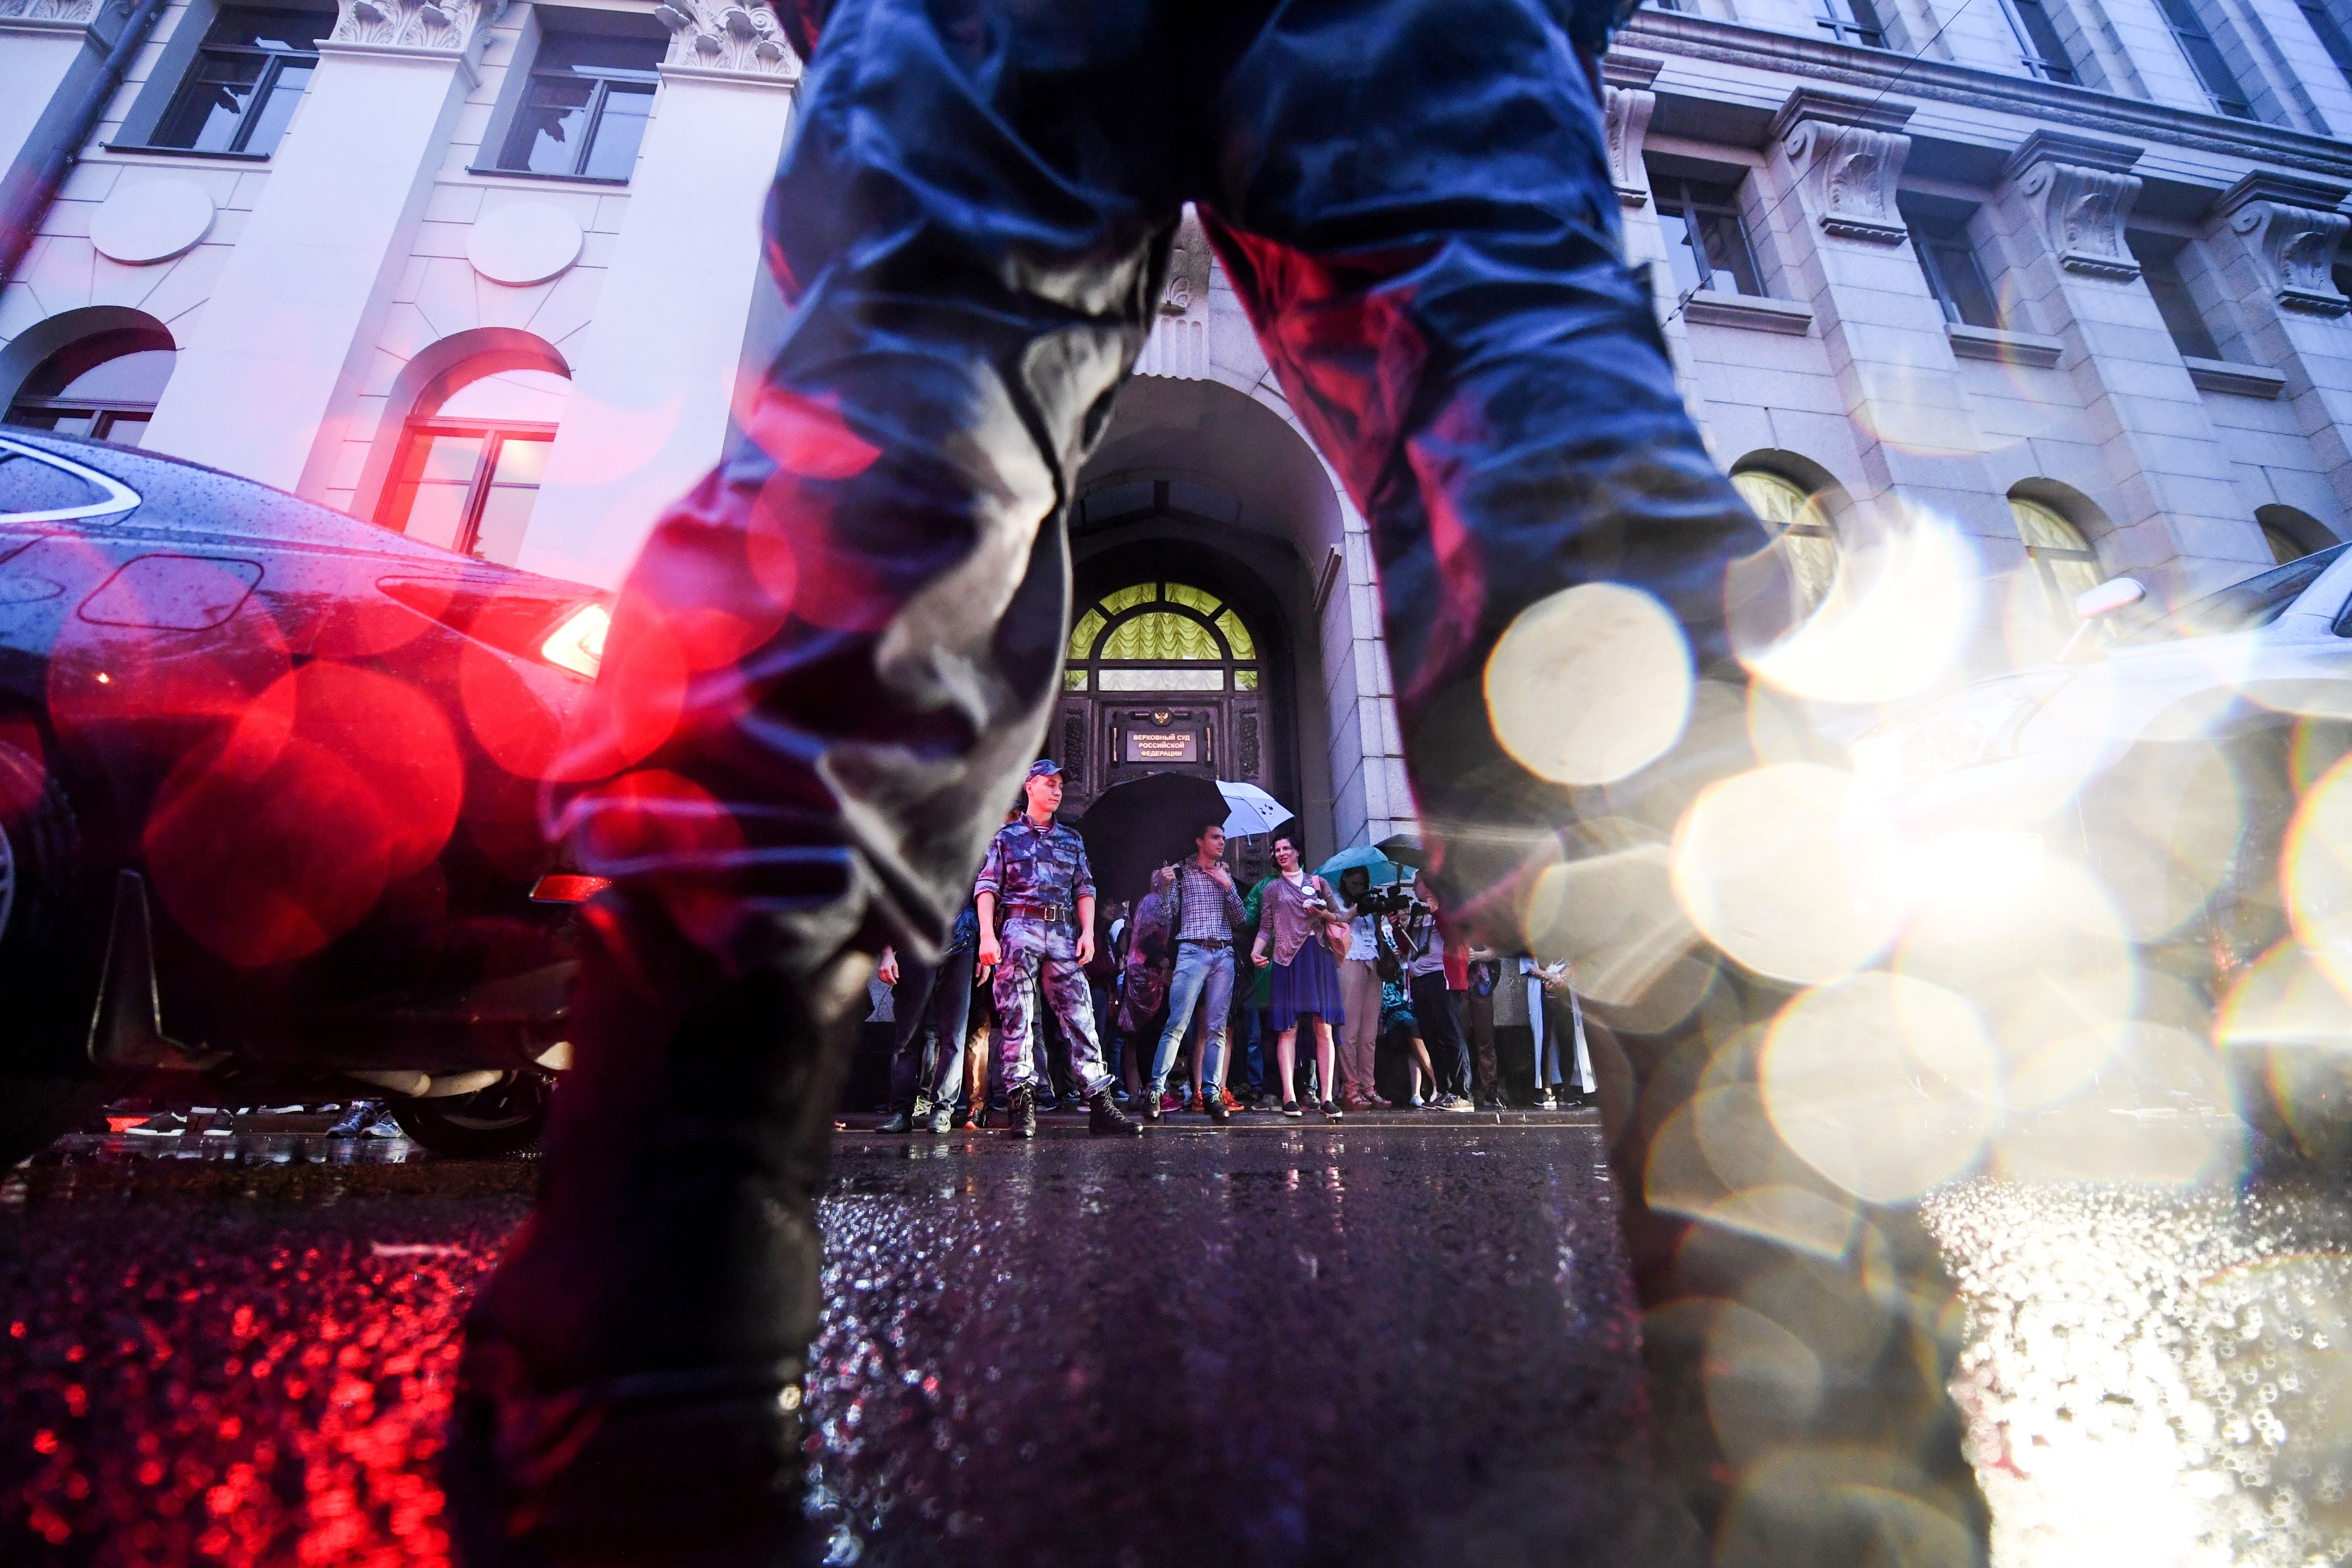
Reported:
(2155, 1377)
(1294, 1344)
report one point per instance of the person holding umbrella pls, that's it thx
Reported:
(1302, 922)
(1207, 913)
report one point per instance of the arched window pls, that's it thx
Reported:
(106, 385)
(2291, 534)
(1162, 637)
(1799, 527)
(2057, 555)
(471, 462)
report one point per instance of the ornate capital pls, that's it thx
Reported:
(2083, 211)
(429, 26)
(1847, 176)
(2293, 229)
(44, 16)
(721, 36)
(1187, 293)
(1626, 115)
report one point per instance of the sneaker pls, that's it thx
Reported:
(943, 1119)
(362, 1118)
(1020, 1113)
(1330, 1111)
(1170, 1102)
(1290, 1107)
(1380, 1103)
(1456, 1102)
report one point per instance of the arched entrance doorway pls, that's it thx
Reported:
(1163, 675)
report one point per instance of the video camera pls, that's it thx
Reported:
(1393, 899)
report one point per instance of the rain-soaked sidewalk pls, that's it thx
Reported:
(1285, 1344)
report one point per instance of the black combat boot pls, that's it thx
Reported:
(1021, 1112)
(630, 1390)
(1108, 1121)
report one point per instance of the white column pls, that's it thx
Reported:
(2179, 521)
(296, 309)
(38, 42)
(2277, 236)
(1887, 344)
(656, 369)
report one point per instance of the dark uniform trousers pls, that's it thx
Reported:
(834, 657)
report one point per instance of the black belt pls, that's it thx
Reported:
(1204, 940)
(1039, 912)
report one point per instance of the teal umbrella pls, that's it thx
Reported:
(1382, 869)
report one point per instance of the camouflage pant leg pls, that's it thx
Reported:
(1040, 964)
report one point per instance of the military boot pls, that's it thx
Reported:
(1021, 1112)
(1108, 1121)
(630, 1389)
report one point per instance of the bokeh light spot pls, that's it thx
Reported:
(1774, 866)
(1886, 1084)
(1589, 685)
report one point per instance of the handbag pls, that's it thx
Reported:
(1337, 938)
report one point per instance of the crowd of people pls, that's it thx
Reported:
(1293, 997)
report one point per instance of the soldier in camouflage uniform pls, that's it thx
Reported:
(1036, 873)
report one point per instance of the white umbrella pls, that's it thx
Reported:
(1251, 810)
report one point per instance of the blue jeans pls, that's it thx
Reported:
(932, 1007)
(1203, 976)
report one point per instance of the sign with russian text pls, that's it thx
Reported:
(1175, 746)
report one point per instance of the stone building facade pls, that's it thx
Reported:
(2061, 274)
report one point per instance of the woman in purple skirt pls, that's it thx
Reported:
(1299, 919)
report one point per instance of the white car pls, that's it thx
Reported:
(2187, 770)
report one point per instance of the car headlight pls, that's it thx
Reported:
(1969, 727)
(578, 645)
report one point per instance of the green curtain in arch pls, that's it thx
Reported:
(1159, 638)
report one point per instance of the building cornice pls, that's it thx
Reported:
(1874, 71)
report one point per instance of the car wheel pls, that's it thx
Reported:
(46, 1084)
(500, 1119)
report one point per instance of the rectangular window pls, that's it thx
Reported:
(1949, 263)
(2159, 262)
(2205, 58)
(470, 490)
(247, 78)
(2331, 34)
(1706, 244)
(1849, 22)
(2037, 42)
(584, 110)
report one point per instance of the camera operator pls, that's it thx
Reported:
(1431, 1007)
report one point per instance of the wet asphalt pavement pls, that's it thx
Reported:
(1287, 1343)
